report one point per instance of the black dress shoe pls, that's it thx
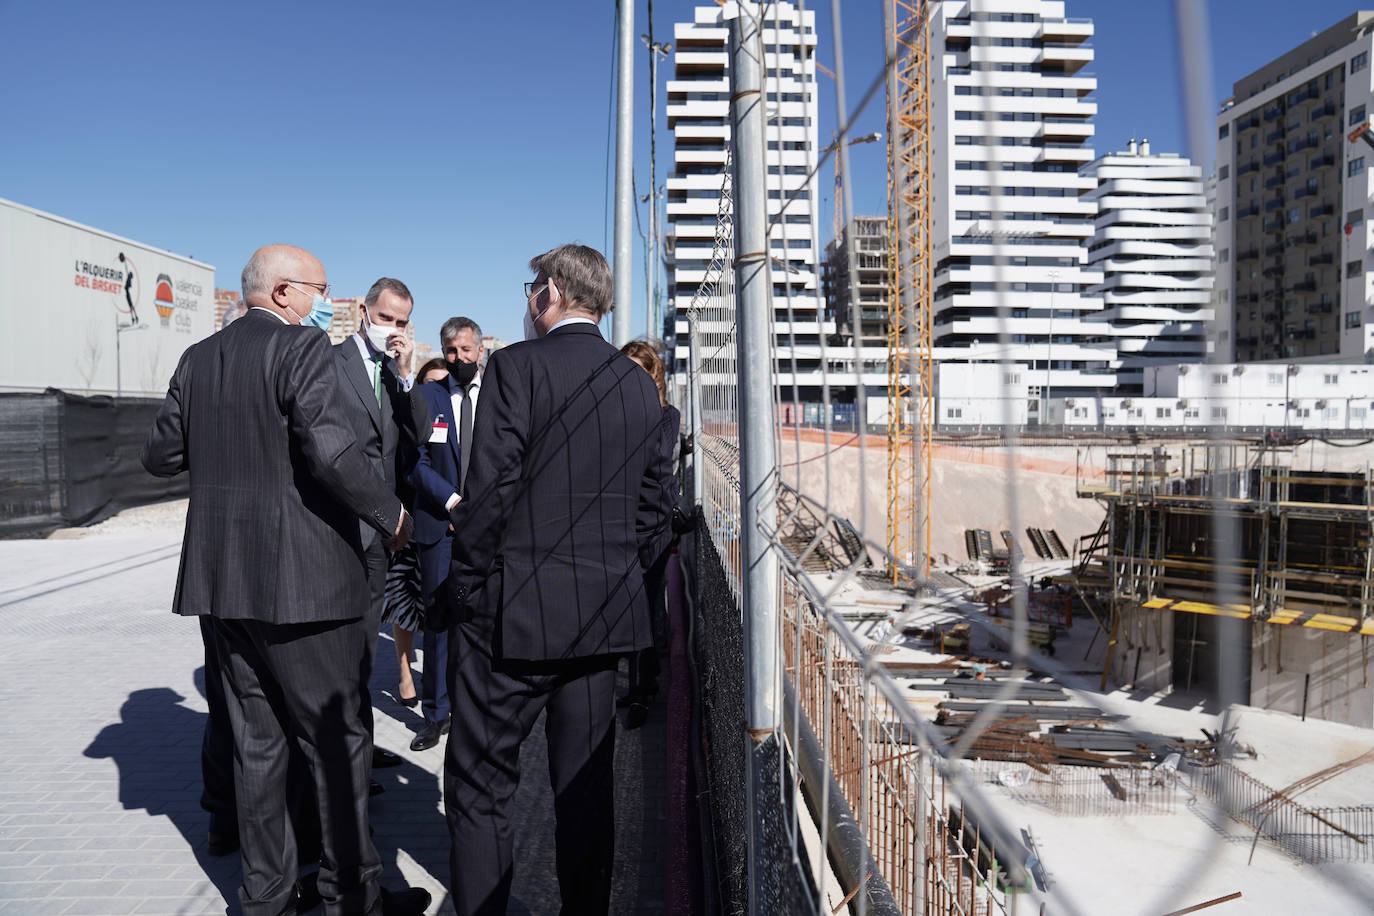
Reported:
(638, 714)
(381, 758)
(223, 836)
(410, 901)
(429, 735)
(374, 788)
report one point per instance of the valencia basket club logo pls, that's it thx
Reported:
(163, 300)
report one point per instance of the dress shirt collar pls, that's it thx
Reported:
(576, 319)
(276, 315)
(364, 349)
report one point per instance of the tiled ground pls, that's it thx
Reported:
(100, 725)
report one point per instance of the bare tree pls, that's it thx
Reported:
(89, 360)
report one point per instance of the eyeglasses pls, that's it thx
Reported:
(534, 286)
(322, 288)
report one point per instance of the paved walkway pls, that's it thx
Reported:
(101, 715)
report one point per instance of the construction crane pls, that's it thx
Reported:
(911, 391)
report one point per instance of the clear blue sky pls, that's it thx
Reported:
(438, 142)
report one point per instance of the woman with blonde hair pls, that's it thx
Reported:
(644, 665)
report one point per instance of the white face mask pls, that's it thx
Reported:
(379, 334)
(532, 329)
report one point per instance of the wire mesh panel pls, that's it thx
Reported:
(947, 741)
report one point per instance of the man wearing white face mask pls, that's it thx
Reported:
(373, 391)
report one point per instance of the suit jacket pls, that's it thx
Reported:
(385, 432)
(435, 474)
(435, 478)
(564, 487)
(278, 480)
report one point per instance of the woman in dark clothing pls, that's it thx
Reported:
(644, 665)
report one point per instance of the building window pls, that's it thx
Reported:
(1352, 319)
(1224, 172)
(1218, 413)
(1357, 115)
(1353, 269)
(1359, 62)
(1162, 412)
(1355, 167)
(1358, 413)
(1223, 131)
(1274, 378)
(1355, 217)
(954, 413)
(1330, 413)
(1225, 255)
(1330, 378)
(1224, 215)
(1220, 378)
(1294, 214)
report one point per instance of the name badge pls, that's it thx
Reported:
(439, 432)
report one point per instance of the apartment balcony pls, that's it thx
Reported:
(1274, 111)
(1297, 146)
(1300, 193)
(1246, 168)
(1273, 181)
(1273, 249)
(1323, 161)
(1244, 212)
(1273, 225)
(1272, 272)
(1275, 158)
(1325, 111)
(1248, 255)
(1247, 123)
(1321, 308)
(1311, 92)
(1274, 204)
(1065, 58)
(1274, 135)
(1069, 31)
(1323, 210)
(1303, 286)
(1302, 238)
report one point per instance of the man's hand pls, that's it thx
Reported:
(401, 348)
(404, 529)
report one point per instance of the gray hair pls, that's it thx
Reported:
(450, 329)
(259, 273)
(581, 273)
(386, 284)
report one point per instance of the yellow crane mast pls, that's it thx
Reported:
(911, 390)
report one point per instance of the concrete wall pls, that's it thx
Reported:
(1150, 636)
(1281, 658)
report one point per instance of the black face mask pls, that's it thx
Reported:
(463, 372)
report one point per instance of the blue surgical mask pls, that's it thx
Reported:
(321, 312)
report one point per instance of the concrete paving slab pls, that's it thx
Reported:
(101, 713)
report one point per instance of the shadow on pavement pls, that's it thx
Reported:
(155, 745)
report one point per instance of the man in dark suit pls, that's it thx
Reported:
(272, 555)
(546, 583)
(377, 402)
(449, 407)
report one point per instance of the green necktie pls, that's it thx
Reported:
(377, 378)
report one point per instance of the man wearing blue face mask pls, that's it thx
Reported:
(374, 394)
(272, 555)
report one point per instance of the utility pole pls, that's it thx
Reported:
(623, 265)
(656, 49)
(119, 332)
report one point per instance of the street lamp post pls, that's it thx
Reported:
(119, 331)
(657, 49)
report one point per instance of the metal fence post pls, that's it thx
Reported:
(623, 266)
(758, 464)
(694, 414)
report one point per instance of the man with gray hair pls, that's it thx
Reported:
(449, 406)
(546, 588)
(271, 554)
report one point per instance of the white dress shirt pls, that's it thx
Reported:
(456, 399)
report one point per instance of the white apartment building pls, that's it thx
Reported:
(1152, 241)
(1293, 195)
(1011, 114)
(698, 113)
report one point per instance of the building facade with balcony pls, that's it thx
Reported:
(698, 113)
(1152, 241)
(1293, 196)
(1012, 124)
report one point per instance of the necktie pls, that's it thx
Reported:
(377, 378)
(464, 436)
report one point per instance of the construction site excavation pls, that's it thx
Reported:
(1193, 686)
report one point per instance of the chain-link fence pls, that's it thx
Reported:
(900, 741)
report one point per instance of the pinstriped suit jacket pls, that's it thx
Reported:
(278, 482)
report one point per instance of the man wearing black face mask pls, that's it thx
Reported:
(438, 479)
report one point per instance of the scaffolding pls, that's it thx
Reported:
(1304, 551)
